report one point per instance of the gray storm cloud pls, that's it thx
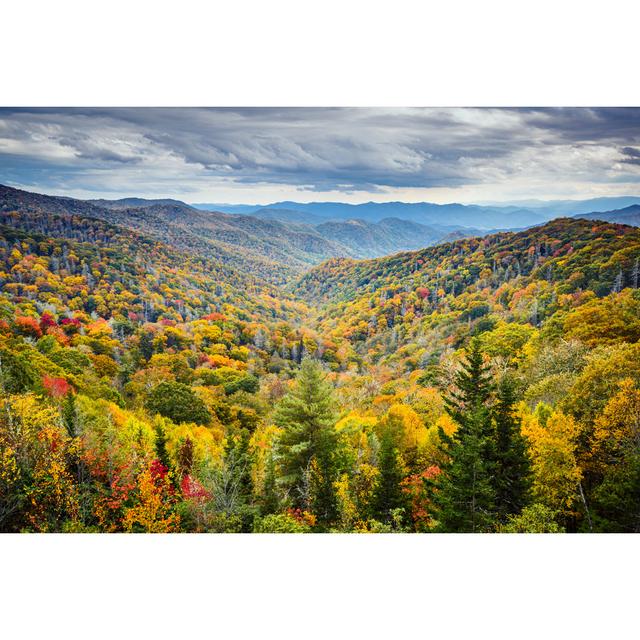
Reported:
(319, 149)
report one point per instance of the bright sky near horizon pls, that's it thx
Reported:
(263, 155)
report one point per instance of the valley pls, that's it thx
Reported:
(296, 368)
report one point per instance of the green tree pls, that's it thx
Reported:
(512, 480)
(69, 414)
(238, 459)
(178, 402)
(307, 445)
(161, 442)
(616, 501)
(464, 494)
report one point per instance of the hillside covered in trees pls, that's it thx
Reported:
(164, 369)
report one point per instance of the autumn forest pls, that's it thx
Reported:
(167, 369)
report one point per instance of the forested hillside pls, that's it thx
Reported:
(168, 373)
(447, 292)
(390, 235)
(267, 249)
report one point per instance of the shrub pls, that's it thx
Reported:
(279, 523)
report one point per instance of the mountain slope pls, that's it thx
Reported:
(390, 235)
(90, 265)
(526, 277)
(362, 239)
(562, 245)
(629, 215)
(288, 215)
(265, 248)
(125, 203)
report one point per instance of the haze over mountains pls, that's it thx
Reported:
(420, 212)
(629, 215)
(488, 217)
(571, 207)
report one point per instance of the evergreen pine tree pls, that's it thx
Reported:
(161, 443)
(512, 481)
(306, 448)
(464, 496)
(69, 414)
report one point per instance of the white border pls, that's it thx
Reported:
(334, 52)
(374, 53)
(332, 586)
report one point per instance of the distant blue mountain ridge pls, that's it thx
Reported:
(507, 215)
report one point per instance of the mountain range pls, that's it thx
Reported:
(281, 241)
(420, 212)
(486, 217)
(273, 243)
(629, 215)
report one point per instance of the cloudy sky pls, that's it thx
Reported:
(355, 154)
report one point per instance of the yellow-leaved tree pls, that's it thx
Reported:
(553, 439)
(154, 509)
(617, 428)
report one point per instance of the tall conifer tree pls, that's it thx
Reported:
(306, 448)
(465, 495)
(512, 465)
